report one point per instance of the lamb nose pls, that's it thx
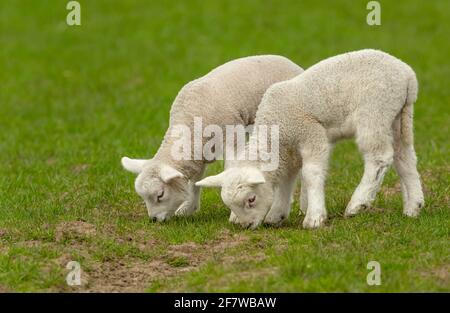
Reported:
(153, 218)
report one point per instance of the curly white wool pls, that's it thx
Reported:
(367, 95)
(228, 95)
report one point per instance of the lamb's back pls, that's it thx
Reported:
(334, 88)
(231, 93)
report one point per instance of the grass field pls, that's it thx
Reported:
(74, 100)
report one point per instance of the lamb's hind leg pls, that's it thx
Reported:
(405, 163)
(375, 143)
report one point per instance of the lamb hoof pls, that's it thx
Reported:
(250, 225)
(185, 211)
(276, 220)
(352, 211)
(233, 219)
(413, 211)
(311, 222)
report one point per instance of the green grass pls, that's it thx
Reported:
(73, 100)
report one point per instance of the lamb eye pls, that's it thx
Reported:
(159, 196)
(252, 199)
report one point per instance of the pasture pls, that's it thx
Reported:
(75, 99)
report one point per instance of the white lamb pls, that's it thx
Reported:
(366, 94)
(228, 95)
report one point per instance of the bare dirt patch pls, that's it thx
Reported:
(132, 274)
(196, 254)
(124, 275)
(51, 161)
(78, 168)
(4, 289)
(74, 230)
(440, 273)
(140, 238)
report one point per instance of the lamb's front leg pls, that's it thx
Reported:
(315, 153)
(282, 201)
(191, 205)
(314, 179)
(233, 218)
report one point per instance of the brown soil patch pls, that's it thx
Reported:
(441, 273)
(134, 275)
(124, 275)
(197, 254)
(51, 161)
(3, 233)
(74, 230)
(131, 273)
(80, 168)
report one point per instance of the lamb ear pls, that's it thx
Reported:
(253, 176)
(133, 165)
(168, 173)
(212, 181)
